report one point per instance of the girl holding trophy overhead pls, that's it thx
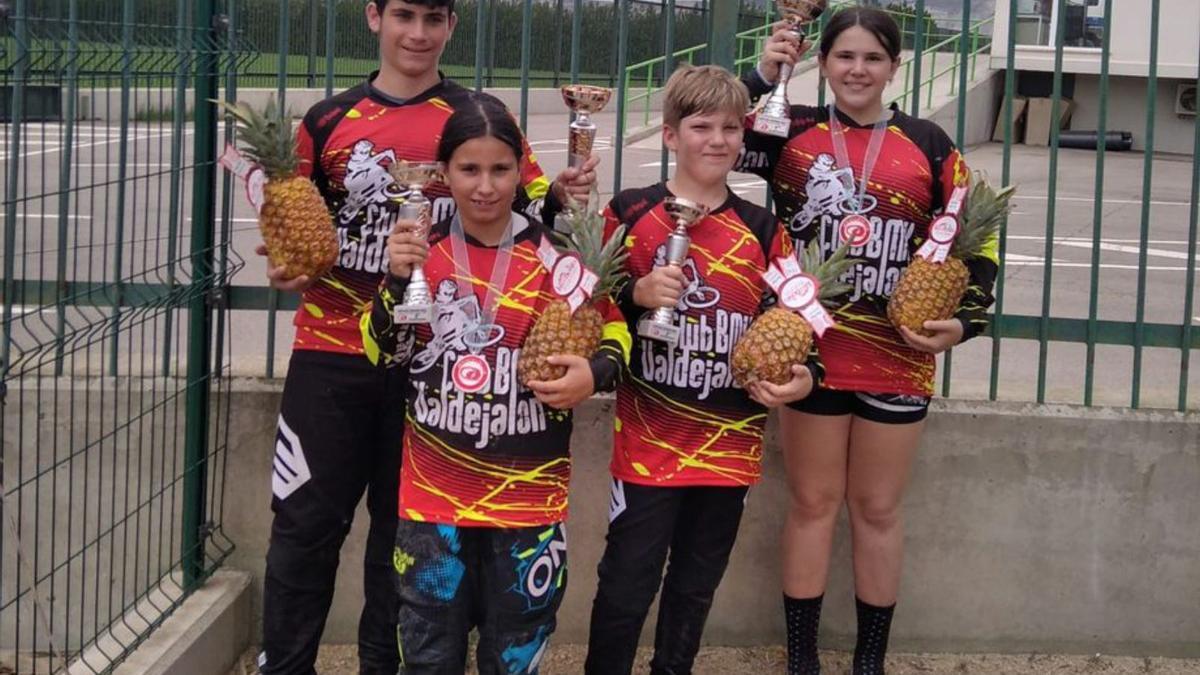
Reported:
(862, 173)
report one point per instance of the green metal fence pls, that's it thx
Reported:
(115, 348)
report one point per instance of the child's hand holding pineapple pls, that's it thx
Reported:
(773, 395)
(568, 391)
(943, 335)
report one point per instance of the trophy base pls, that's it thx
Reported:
(663, 332)
(772, 126)
(410, 314)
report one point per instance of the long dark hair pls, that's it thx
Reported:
(482, 117)
(875, 21)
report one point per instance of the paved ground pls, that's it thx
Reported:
(92, 229)
(568, 659)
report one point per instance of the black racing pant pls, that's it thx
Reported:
(339, 434)
(696, 527)
(508, 582)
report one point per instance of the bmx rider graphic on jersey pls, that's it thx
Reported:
(830, 190)
(456, 327)
(367, 181)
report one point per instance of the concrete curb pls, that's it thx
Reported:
(205, 636)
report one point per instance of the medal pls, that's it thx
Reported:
(471, 373)
(856, 228)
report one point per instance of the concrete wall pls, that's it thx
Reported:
(1127, 112)
(983, 100)
(1030, 528)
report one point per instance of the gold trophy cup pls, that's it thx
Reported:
(583, 100)
(417, 304)
(661, 324)
(774, 118)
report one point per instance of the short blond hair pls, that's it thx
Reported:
(700, 90)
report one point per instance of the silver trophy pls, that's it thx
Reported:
(775, 118)
(417, 304)
(583, 100)
(661, 324)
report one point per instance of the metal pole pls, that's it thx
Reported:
(1098, 207)
(526, 39)
(1051, 191)
(918, 48)
(1139, 326)
(622, 8)
(960, 136)
(723, 25)
(199, 316)
(480, 42)
(330, 32)
(668, 67)
(281, 98)
(312, 43)
(1010, 79)
(576, 29)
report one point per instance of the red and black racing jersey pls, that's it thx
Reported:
(681, 419)
(347, 142)
(496, 456)
(917, 169)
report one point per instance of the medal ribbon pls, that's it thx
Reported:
(462, 266)
(838, 133)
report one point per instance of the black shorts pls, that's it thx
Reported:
(882, 408)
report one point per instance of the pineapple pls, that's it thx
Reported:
(557, 330)
(931, 291)
(781, 338)
(296, 226)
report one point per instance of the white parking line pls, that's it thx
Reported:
(1092, 200)
(1107, 245)
(1107, 240)
(22, 214)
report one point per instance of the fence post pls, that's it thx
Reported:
(312, 44)
(959, 138)
(622, 9)
(722, 28)
(12, 183)
(204, 177)
(918, 49)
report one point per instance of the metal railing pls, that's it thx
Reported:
(646, 78)
(974, 42)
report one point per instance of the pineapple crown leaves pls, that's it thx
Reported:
(268, 136)
(986, 209)
(584, 236)
(828, 272)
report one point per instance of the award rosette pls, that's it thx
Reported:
(798, 292)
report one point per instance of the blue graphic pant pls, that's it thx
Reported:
(508, 583)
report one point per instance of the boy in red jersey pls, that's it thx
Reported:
(338, 432)
(688, 441)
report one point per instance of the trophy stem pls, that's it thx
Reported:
(582, 139)
(417, 304)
